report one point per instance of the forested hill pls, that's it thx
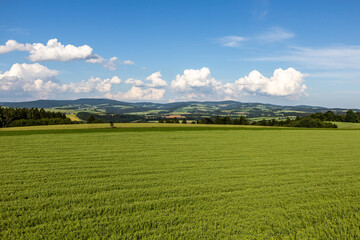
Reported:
(109, 102)
(60, 103)
(192, 109)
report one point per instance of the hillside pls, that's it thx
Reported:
(190, 110)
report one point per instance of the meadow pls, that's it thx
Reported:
(164, 181)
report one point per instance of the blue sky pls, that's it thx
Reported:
(282, 52)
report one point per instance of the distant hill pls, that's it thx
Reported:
(60, 103)
(191, 109)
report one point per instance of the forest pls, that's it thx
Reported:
(16, 117)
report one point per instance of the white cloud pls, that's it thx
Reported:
(21, 75)
(338, 57)
(55, 51)
(93, 85)
(283, 83)
(231, 41)
(275, 35)
(138, 93)
(128, 62)
(40, 82)
(135, 82)
(12, 45)
(272, 35)
(111, 63)
(52, 51)
(156, 81)
(197, 84)
(150, 89)
(152, 81)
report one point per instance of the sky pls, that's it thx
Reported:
(281, 52)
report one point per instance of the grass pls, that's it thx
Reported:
(179, 181)
(73, 117)
(347, 125)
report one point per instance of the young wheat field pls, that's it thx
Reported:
(179, 182)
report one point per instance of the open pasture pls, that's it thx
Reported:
(190, 183)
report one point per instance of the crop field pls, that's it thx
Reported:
(161, 181)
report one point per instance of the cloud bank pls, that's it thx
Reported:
(39, 81)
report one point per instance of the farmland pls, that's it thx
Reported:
(147, 111)
(179, 181)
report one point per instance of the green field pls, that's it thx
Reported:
(187, 182)
(347, 125)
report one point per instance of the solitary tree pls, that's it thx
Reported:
(183, 121)
(91, 119)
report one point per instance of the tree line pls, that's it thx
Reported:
(329, 116)
(15, 117)
(305, 122)
(117, 118)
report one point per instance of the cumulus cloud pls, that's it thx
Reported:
(150, 89)
(283, 83)
(152, 81)
(22, 75)
(138, 93)
(197, 84)
(93, 85)
(52, 51)
(12, 45)
(55, 51)
(156, 81)
(40, 81)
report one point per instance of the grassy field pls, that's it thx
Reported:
(179, 181)
(347, 125)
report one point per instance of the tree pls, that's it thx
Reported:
(329, 116)
(227, 120)
(175, 120)
(217, 120)
(351, 116)
(91, 119)
(184, 121)
(206, 120)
